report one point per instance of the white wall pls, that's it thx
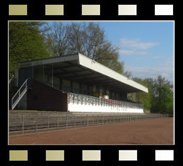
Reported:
(73, 107)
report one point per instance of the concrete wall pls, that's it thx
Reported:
(38, 73)
(22, 105)
(44, 97)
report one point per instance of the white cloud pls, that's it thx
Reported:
(165, 69)
(132, 52)
(126, 52)
(156, 57)
(135, 44)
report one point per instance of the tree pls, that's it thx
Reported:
(142, 97)
(162, 95)
(25, 43)
(160, 82)
(86, 38)
(159, 98)
(57, 39)
(126, 73)
(165, 100)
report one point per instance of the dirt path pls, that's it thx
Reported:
(154, 131)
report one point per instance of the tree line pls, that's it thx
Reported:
(35, 40)
(159, 99)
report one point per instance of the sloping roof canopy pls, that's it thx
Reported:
(80, 68)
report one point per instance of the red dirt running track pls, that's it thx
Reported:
(154, 131)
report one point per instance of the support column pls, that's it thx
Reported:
(80, 91)
(43, 73)
(33, 72)
(52, 75)
(60, 84)
(104, 93)
(88, 88)
(71, 86)
(16, 77)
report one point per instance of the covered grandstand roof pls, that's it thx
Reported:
(79, 68)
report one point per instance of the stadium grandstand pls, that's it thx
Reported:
(72, 83)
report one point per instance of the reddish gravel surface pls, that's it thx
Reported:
(154, 131)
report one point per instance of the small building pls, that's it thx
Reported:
(72, 83)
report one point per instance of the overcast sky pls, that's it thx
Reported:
(146, 47)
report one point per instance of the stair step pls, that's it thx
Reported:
(19, 94)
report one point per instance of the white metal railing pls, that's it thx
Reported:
(91, 100)
(19, 94)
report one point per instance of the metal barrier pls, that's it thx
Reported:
(20, 93)
(84, 99)
(96, 101)
(34, 122)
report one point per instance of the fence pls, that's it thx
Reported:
(38, 122)
(107, 105)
